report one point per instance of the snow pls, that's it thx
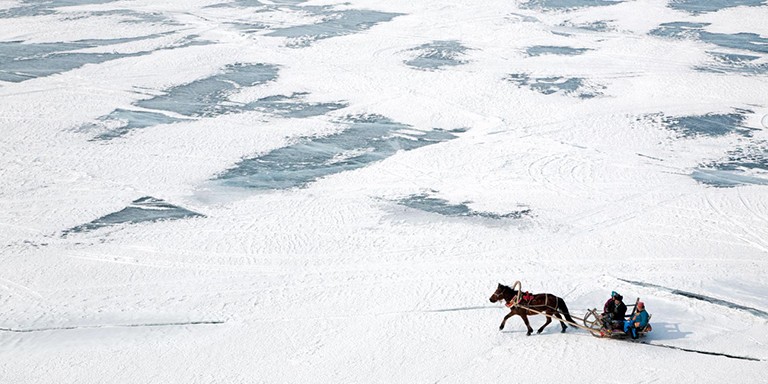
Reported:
(248, 191)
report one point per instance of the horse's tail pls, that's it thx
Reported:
(564, 310)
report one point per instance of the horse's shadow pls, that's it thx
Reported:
(525, 332)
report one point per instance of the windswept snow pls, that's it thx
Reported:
(218, 191)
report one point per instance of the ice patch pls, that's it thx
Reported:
(425, 202)
(248, 28)
(725, 179)
(335, 23)
(596, 26)
(202, 98)
(572, 86)
(255, 3)
(522, 18)
(685, 30)
(292, 106)
(438, 54)
(208, 97)
(145, 209)
(734, 63)
(566, 4)
(368, 139)
(711, 124)
(20, 61)
(538, 50)
(134, 17)
(703, 6)
(125, 120)
(742, 166)
(238, 4)
(39, 8)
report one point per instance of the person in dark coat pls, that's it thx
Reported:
(609, 303)
(614, 312)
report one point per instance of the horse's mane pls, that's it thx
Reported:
(505, 288)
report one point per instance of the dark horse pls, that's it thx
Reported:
(541, 302)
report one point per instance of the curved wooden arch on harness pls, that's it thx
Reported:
(518, 296)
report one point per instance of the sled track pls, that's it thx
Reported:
(702, 352)
(642, 342)
(697, 296)
(111, 326)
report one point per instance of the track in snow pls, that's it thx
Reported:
(702, 352)
(697, 296)
(111, 326)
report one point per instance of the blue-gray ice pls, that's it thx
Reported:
(20, 61)
(703, 6)
(334, 23)
(735, 169)
(209, 96)
(725, 179)
(366, 140)
(596, 26)
(206, 97)
(134, 17)
(538, 50)
(685, 30)
(438, 54)
(572, 86)
(733, 63)
(424, 202)
(293, 106)
(145, 209)
(256, 4)
(44, 7)
(567, 4)
(130, 120)
(712, 124)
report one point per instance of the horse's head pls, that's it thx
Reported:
(498, 295)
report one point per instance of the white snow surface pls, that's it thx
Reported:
(335, 281)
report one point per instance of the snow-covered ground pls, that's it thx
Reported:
(243, 191)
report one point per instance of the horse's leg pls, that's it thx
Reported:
(557, 314)
(510, 314)
(549, 320)
(527, 324)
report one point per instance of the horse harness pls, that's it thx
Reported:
(526, 300)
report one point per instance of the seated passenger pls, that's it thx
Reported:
(638, 321)
(609, 302)
(614, 311)
(619, 310)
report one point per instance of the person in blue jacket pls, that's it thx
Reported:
(638, 321)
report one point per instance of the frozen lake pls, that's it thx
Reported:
(251, 191)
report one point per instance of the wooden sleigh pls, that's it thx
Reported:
(593, 320)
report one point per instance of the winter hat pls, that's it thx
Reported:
(613, 293)
(618, 297)
(640, 304)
